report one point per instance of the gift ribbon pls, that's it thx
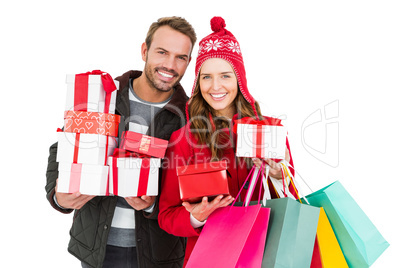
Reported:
(76, 147)
(81, 89)
(270, 121)
(144, 175)
(258, 141)
(121, 153)
(75, 178)
(115, 176)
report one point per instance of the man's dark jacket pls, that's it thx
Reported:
(91, 223)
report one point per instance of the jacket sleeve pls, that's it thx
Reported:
(173, 217)
(52, 174)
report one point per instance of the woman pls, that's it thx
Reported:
(219, 96)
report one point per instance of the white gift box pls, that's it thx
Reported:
(84, 148)
(83, 178)
(96, 95)
(132, 176)
(261, 141)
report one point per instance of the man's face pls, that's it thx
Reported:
(166, 59)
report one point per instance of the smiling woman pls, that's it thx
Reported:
(220, 95)
(218, 84)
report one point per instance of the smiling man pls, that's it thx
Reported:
(124, 232)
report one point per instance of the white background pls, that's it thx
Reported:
(300, 56)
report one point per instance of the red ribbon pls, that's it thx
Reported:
(120, 153)
(270, 121)
(144, 175)
(106, 149)
(258, 141)
(76, 147)
(75, 178)
(81, 89)
(81, 92)
(115, 176)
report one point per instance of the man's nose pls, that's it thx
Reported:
(170, 62)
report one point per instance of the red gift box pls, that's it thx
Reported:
(143, 144)
(91, 123)
(204, 179)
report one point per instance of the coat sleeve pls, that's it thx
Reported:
(52, 174)
(173, 217)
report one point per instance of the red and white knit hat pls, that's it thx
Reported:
(223, 44)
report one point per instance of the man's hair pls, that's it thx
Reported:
(176, 23)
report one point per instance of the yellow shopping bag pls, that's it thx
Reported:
(328, 253)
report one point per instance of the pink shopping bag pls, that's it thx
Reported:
(232, 237)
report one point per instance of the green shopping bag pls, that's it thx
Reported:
(358, 238)
(291, 234)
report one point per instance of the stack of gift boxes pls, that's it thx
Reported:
(90, 133)
(89, 160)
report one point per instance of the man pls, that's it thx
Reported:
(124, 232)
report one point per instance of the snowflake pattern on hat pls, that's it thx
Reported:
(219, 44)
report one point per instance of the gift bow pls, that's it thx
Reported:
(107, 80)
(270, 121)
(81, 89)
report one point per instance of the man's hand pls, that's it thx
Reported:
(72, 201)
(139, 203)
(202, 210)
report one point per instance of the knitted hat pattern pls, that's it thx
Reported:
(223, 44)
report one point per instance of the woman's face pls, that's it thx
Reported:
(218, 86)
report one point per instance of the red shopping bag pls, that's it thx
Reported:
(232, 236)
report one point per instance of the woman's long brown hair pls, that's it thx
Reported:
(207, 127)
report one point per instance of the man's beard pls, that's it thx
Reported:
(160, 85)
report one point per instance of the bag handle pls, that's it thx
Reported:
(287, 174)
(252, 185)
(281, 186)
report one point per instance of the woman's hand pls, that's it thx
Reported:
(275, 170)
(202, 210)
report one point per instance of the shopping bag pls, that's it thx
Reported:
(316, 258)
(233, 236)
(327, 252)
(291, 234)
(359, 239)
